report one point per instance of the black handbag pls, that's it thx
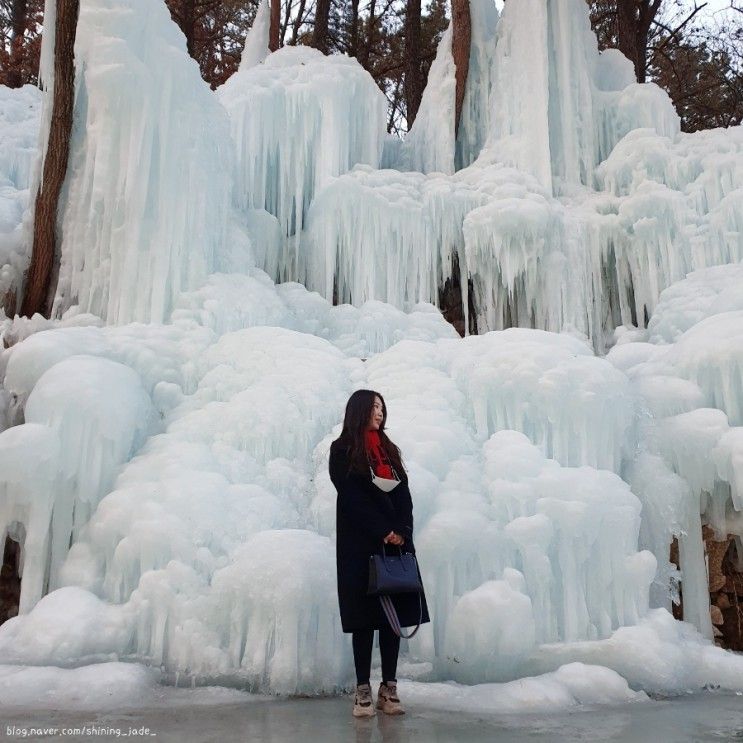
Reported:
(395, 574)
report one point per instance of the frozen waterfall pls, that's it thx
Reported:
(164, 438)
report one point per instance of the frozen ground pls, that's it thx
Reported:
(701, 717)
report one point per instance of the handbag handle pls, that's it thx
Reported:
(394, 545)
(391, 613)
(389, 608)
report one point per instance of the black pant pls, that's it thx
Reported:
(389, 648)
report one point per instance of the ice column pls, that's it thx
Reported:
(145, 207)
(256, 41)
(557, 107)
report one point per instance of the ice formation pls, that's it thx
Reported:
(137, 225)
(20, 111)
(584, 204)
(252, 436)
(299, 119)
(687, 368)
(431, 145)
(256, 42)
(559, 106)
(177, 506)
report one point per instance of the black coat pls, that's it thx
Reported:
(365, 515)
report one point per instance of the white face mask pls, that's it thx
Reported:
(383, 483)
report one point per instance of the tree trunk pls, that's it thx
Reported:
(18, 20)
(460, 47)
(413, 73)
(353, 36)
(273, 33)
(634, 18)
(368, 44)
(626, 33)
(37, 289)
(188, 25)
(322, 19)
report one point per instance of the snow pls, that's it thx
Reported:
(106, 686)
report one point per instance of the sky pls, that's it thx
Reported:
(712, 7)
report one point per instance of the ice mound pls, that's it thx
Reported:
(97, 414)
(186, 546)
(232, 302)
(570, 685)
(688, 370)
(134, 236)
(298, 119)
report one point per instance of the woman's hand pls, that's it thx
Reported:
(393, 538)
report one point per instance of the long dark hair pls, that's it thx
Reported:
(358, 411)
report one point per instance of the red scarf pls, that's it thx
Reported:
(379, 459)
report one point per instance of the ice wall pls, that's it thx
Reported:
(138, 225)
(429, 145)
(474, 122)
(299, 119)
(584, 204)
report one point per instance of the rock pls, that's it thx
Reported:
(722, 601)
(716, 615)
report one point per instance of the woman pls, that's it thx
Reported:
(367, 517)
